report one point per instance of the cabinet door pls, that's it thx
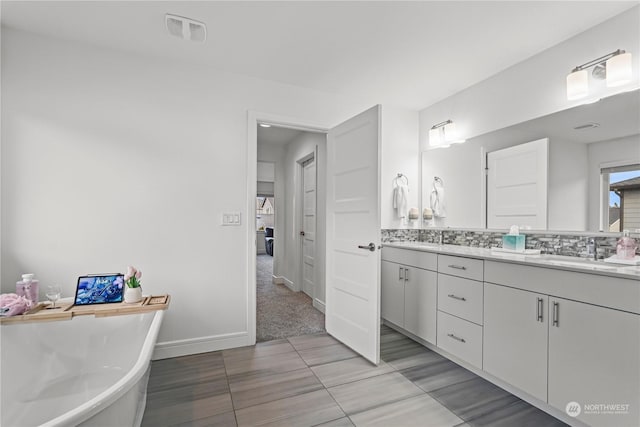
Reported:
(515, 338)
(420, 300)
(594, 359)
(392, 293)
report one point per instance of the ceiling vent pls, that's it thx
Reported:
(186, 28)
(587, 126)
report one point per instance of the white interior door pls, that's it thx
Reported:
(353, 223)
(308, 226)
(517, 186)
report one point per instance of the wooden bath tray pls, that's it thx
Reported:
(40, 313)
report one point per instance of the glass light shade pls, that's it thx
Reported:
(434, 137)
(450, 132)
(577, 85)
(619, 70)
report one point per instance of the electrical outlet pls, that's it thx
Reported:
(231, 218)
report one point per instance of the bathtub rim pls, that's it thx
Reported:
(110, 395)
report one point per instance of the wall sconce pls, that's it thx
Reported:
(615, 67)
(444, 134)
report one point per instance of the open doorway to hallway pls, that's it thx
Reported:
(290, 224)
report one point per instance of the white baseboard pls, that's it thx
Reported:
(167, 349)
(281, 280)
(319, 305)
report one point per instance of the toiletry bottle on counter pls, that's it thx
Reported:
(28, 287)
(626, 247)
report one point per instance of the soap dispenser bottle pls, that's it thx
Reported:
(28, 288)
(626, 247)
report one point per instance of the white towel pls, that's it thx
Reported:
(437, 200)
(401, 200)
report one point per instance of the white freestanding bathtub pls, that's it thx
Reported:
(89, 370)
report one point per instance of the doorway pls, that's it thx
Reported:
(289, 295)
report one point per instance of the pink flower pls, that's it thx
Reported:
(138, 274)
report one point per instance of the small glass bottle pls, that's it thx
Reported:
(626, 247)
(28, 288)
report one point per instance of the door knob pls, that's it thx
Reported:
(371, 246)
(302, 233)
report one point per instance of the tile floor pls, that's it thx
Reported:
(313, 380)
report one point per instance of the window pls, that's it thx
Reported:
(622, 191)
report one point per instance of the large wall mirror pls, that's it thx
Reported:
(587, 147)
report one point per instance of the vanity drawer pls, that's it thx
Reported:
(461, 297)
(468, 268)
(424, 260)
(461, 338)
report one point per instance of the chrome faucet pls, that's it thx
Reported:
(440, 237)
(592, 248)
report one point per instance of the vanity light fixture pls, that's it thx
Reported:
(615, 67)
(444, 134)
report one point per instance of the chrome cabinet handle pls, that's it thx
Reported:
(371, 246)
(400, 277)
(459, 267)
(457, 297)
(556, 314)
(406, 274)
(456, 338)
(539, 310)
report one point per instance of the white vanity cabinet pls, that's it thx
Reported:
(460, 295)
(409, 291)
(516, 326)
(594, 358)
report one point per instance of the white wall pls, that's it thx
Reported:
(536, 87)
(400, 154)
(606, 154)
(110, 159)
(461, 167)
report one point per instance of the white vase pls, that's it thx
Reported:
(132, 295)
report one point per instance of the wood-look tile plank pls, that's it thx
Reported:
(332, 353)
(473, 398)
(406, 353)
(254, 390)
(187, 393)
(268, 348)
(306, 409)
(349, 370)
(418, 411)
(340, 422)
(227, 419)
(274, 364)
(186, 411)
(441, 373)
(179, 371)
(372, 392)
(304, 342)
(519, 413)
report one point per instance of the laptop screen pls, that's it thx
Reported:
(99, 289)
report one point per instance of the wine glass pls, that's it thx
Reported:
(53, 295)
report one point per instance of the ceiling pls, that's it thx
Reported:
(406, 54)
(616, 117)
(277, 135)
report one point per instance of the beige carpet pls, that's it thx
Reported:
(282, 313)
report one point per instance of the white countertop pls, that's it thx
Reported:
(580, 265)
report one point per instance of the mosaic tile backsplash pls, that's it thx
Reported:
(548, 243)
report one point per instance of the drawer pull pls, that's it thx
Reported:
(556, 314)
(456, 338)
(458, 267)
(401, 277)
(457, 297)
(539, 309)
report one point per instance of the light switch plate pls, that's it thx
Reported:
(231, 218)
